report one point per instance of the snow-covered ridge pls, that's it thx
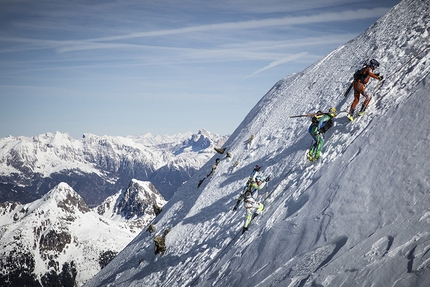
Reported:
(357, 217)
(59, 239)
(29, 165)
(52, 152)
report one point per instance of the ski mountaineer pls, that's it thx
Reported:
(255, 172)
(250, 200)
(361, 78)
(321, 122)
(214, 166)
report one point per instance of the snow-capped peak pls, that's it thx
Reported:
(59, 241)
(138, 202)
(66, 198)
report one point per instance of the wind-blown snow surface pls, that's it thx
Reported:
(358, 217)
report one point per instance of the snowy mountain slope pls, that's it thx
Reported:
(59, 239)
(357, 217)
(30, 167)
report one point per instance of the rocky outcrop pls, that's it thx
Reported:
(69, 241)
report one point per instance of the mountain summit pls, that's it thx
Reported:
(139, 199)
(359, 216)
(58, 241)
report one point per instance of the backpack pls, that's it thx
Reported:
(315, 119)
(328, 124)
(359, 75)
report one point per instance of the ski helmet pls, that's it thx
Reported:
(257, 168)
(333, 112)
(258, 178)
(374, 63)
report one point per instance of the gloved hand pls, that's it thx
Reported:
(380, 78)
(267, 178)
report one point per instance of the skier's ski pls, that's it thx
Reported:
(236, 206)
(349, 89)
(251, 139)
(219, 150)
(200, 182)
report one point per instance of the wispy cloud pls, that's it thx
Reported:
(151, 55)
(102, 42)
(296, 42)
(278, 62)
(257, 24)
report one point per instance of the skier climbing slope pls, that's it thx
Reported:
(358, 218)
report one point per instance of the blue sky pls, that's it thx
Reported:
(126, 67)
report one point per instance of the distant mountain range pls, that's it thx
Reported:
(99, 166)
(59, 241)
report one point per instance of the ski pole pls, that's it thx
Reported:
(307, 115)
(265, 193)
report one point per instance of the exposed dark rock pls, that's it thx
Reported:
(106, 257)
(71, 201)
(54, 241)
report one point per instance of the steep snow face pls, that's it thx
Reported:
(59, 239)
(357, 217)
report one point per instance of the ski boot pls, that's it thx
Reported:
(363, 110)
(350, 115)
(310, 153)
